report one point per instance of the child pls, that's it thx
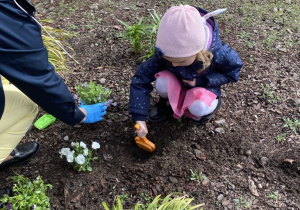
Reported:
(189, 66)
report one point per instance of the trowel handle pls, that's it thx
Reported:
(137, 126)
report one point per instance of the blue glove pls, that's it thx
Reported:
(94, 112)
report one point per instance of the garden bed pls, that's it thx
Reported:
(248, 153)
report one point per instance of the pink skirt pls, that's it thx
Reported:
(181, 98)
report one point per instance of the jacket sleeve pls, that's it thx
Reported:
(30, 71)
(227, 67)
(24, 62)
(141, 86)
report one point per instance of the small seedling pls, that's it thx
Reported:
(123, 197)
(99, 20)
(274, 195)
(292, 125)
(268, 94)
(244, 35)
(197, 177)
(90, 27)
(147, 199)
(281, 137)
(74, 27)
(241, 202)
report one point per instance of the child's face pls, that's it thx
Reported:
(186, 61)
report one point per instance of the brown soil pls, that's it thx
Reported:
(246, 151)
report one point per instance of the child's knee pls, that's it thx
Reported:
(161, 86)
(199, 108)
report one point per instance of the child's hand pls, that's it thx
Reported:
(142, 132)
(190, 83)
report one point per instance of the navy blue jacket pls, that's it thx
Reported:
(225, 67)
(24, 62)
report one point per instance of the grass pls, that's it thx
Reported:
(279, 22)
(57, 56)
(168, 203)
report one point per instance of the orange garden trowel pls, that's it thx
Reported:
(144, 143)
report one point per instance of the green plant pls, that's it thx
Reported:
(27, 194)
(74, 27)
(152, 29)
(147, 199)
(268, 94)
(56, 55)
(80, 158)
(197, 177)
(91, 93)
(123, 197)
(90, 27)
(142, 35)
(241, 202)
(292, 125)
(270, 39)
(178, 203)
(134, 34)
(244, 34)
(281, 137)
(274, 195)
(99, 20)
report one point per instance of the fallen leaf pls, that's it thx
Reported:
(117, 27)
(289, 161)
(252, 187)
(76, 199)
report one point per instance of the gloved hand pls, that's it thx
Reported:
(143, 129)
(94, 112)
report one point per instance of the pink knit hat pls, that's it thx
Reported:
(181, 32)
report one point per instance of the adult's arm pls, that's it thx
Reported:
(24, 62)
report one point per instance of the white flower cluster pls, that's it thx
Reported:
(80, 158)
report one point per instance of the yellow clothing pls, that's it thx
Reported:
(4, 81)
(19, 113)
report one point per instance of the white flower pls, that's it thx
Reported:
(82, 144)
(70, 157)
(85, 152)
(95, 145)
(72, 144)
(64, 151)
(80, 159)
